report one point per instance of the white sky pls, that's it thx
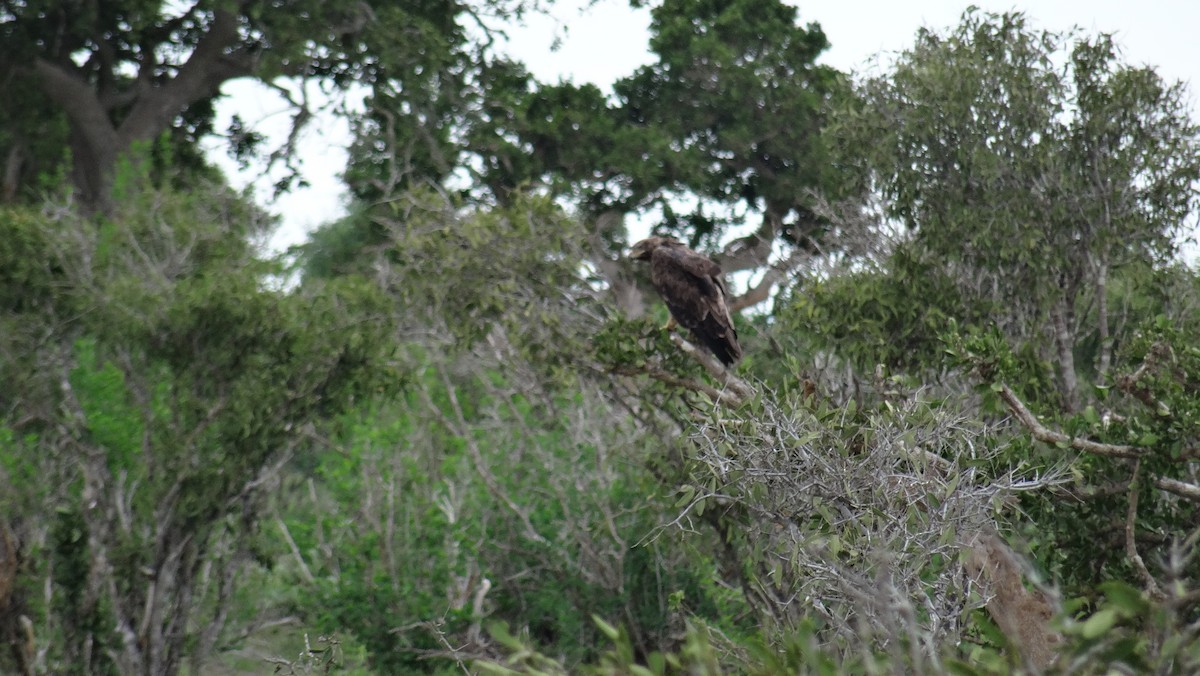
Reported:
(609, 41)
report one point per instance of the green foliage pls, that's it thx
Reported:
(36, 134)
(166, 380)
(730, 114)
(737, 90)
(419, 53)
(629, 346)
(76, 606)
(443, 449)
(1131, 632)
(895, 316)
(341, 247)
(476, 498)
(27, 273)
(1027, 183)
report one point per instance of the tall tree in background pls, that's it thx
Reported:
(120, 74)
(737, 90)
(1030, 184)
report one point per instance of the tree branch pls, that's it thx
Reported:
(1131, 543)
(295, 550)
(1049, 436)
(740, 389)
(1104, 361)
(749, 252)
(735, 391)
(1131, 383)
(773, 276)
(212, 62)
(1064, 341)
(78, 100)
(685, 383)
(1180, 488)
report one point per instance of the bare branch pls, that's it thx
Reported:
(740, 388)
(1130, 542)
(772, 277)
(1180, 488)
(295, 550)
(1049, 436)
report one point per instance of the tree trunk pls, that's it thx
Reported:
(621, 283)
(97, 141)
(1064, 341)
(13, 165)
(1104, 361)
(94, 162)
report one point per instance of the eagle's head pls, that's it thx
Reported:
(643, 249)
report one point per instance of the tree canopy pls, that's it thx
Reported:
(118, 74)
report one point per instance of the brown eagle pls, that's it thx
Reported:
(692, 287)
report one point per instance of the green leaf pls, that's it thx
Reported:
(1099, 623)
(1125, 597)
(960, 668)
(493, 668)
(605, 628)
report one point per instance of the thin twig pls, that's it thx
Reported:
(291, 543)
(464, 432)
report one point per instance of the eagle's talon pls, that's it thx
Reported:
(670, 325)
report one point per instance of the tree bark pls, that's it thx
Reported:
(1064, 342)
(1104, 361)
(94, 144)
(13, 164)
(621, 282)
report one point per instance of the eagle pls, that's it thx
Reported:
(694, 291)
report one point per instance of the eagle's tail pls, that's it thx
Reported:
(720, 339)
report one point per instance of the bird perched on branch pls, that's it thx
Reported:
(694, 291)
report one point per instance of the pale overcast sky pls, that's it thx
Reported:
(609, 41)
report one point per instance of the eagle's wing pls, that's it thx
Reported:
(695, 293)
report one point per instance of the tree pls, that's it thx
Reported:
(160, 390)
(1031, 184)
(737, 91)
(1037, 200)
(124, 74)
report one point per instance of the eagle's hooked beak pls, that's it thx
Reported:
(640, 251)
